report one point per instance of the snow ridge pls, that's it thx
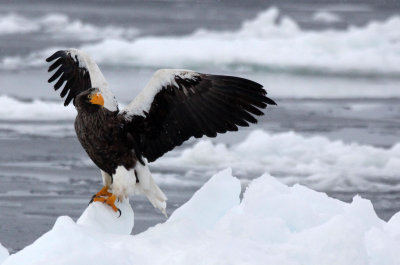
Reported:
(3, 253)
(273, 224)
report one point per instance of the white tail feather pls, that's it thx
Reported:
(148, 187)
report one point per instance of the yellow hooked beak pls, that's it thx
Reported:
(97, 99)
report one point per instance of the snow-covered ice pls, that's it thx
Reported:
(270, 41)
(14, 109)
(326, 17)
(60, 26)
(101, 218)
(3, 253)
(272, 224)
(314, 161)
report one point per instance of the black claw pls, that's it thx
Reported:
(94, 196)
(91, 200)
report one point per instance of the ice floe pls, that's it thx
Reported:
(263, 43)
(36, 109)
(3, 253)
(57, 25)
(100, 218)
(272, 224)
(269, 42)
(314, 161)
(326, 17)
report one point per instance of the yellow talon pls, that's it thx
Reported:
(106, 197)
(103, 192)
(110, 201)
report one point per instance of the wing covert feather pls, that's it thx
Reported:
(79, 73)
(179, 104)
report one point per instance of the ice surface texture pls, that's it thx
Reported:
(3, 253)
(326, 17)
(316, 161)
(60, 26)
(270, 41)
(14, 109)
(101, 218)
(273, 224)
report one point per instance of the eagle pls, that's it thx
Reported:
(174, 106)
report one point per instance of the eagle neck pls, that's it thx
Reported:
(94, 117)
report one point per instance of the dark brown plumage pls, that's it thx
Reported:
(100, 134)
(174, 106)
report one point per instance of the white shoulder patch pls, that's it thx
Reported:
(159, 80)
(96, 77)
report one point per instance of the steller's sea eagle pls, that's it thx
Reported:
(174, 106)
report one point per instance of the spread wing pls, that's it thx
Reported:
(79, 73)
(178, 104)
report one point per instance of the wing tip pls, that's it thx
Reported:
(57, 54)
(270, 101)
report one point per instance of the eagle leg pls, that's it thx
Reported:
(102, 193)
(110, 201)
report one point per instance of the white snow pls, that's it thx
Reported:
(101, 218)
(60, 26)
(217, 205)
(3, 253)
(314, 161)
(326, 17)
(14, 109)
(273, 224)
(261, 43)
(37, 129)
(270, 41)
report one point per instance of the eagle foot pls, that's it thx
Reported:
(109, 200)
(102, 193)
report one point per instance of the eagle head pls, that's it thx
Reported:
(88, 99)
